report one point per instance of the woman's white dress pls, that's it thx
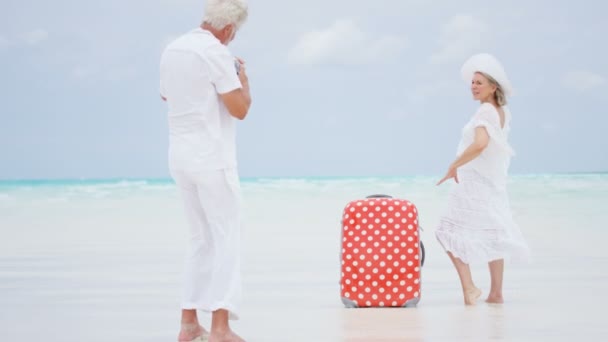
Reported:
(478, 225)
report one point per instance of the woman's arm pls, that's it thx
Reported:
(473, 151)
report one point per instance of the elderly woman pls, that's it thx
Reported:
(478, 225)
(207, 91)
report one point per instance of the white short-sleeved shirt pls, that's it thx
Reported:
(493, 162)
(194, 70)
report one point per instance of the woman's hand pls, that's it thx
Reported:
(452, 173)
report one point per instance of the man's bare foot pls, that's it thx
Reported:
(471, 296)
(495, 299)
(192, 332)
(227, 336)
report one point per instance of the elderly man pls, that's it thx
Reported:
(206, 90)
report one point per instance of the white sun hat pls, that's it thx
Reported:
(489, 65)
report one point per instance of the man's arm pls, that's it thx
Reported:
(238, 101)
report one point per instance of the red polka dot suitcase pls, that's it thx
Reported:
(382, 254)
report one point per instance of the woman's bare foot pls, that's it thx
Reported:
(471, 296)
(495, 299)
(227, 336)
(191, 332)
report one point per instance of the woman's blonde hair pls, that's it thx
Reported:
(499, 94)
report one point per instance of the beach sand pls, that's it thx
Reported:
(105, 266)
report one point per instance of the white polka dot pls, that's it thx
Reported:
(365, 209)
(368, 303)
(350, 233)
(347, 281)
(410, 227)
(389, 270)
(401, 296)
(382, 277)
(390, 208)
(348, 256)
(371, 226)
(377, 232)
(383, 226)
(358, 215)
(403, 257)
(354, 276)
(376, 244)
(361, 270)
(351, 221)
(416, 281)
(383, 250)
(359, 204)
(349, 245)
(390, 232)
(383, 214)
(363, 232)
(397, 214)
(369, 251)
(383, 238)
(375, 270)
(377, 221)
(354, 289)
(356, 238)
(371, 215)
(409, 289)
(403, 220)
(364, 221)
(390, 220)
(361, 283)
(403, 244)
(370, 238)
(396, 237)
(417, 269)
(368, 277)
(416, 294)
(410, 239)
(410, 263)
(381, 290)
(374, 296)
(356, 250)
(376, 257)
(410, 215)
(396, 276)
(402, 283)
(381, 304)
(403, 270)
(388, 297)
(368, 264)
(348, 269)
(395, 289)
(390, 244)
(346, 294)
(396, 264)
(410, 251)
(362, 257)
(374, 283)
(368, 290)
(355, 263)
(352, 210)
(360, 295)
(389, 257)
(389, 283)
(378, 208)
(396, 251)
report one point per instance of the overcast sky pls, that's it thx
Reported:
(340, 88)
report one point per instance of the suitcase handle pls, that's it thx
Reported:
(379, 196)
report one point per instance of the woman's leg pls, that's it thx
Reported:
(496, 274)
(470, 292)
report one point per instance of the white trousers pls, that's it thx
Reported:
(212, 275)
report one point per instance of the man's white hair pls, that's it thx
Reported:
(220, 13)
